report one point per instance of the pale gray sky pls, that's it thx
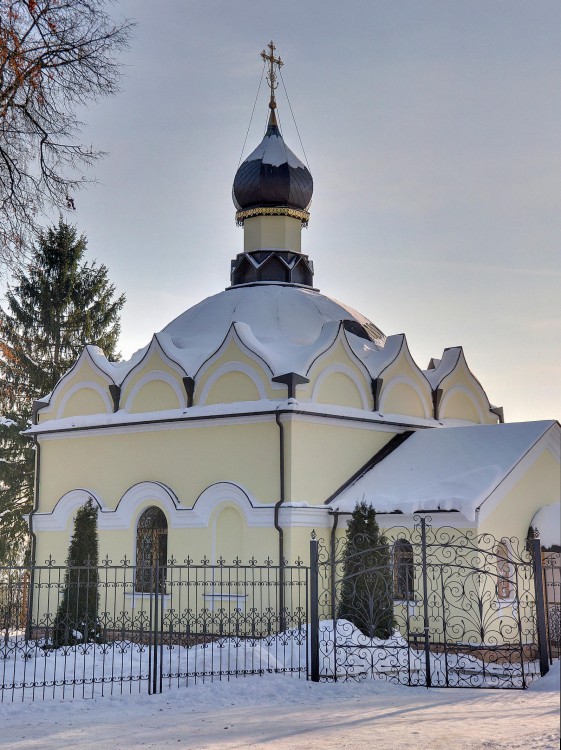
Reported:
(433, 134)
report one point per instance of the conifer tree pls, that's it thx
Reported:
(77, 615)
(57, 305)
(366, 596)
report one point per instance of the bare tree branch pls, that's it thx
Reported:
(55, 56)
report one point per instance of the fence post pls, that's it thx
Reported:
(540, 606)
(426, 626)
(314, 612)
(156, 597)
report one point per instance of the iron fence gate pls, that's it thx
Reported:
(95, 630)
(435, 607)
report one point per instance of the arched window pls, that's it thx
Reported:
(403, 570)
(151, 549)
(504, 572)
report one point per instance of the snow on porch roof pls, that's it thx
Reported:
(451, 468)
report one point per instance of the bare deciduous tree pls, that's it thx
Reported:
(55, 57)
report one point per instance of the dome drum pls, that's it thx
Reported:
(281, 266)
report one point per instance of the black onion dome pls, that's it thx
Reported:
(272, 176)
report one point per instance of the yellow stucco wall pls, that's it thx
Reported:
(232, 387)
(155, 395)
(186, 459)
(84, 401)
(321, 457)
(539, 486)
(401, 398)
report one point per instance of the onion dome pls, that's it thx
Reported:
(272, 180)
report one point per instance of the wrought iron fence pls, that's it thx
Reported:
(88, 631)
(436, 607)
(429, 607)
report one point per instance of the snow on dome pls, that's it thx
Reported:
(274, 312)
(547, 522)
(281, 318)
(274, 151)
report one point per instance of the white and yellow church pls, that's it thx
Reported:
(269, 410)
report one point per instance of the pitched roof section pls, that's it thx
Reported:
(456, 468)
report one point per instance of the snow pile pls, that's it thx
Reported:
(551, 682)
(30, 671)
(547, 523)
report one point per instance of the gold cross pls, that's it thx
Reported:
(271, 75)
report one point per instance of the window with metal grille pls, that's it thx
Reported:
(151, 550)
(403, 570)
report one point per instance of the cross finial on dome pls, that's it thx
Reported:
(272, 77)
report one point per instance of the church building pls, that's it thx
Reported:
(269, 410)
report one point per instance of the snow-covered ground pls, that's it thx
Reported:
(279, 711)
(271, 711)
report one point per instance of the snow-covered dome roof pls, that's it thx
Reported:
(272, 176)
(276, 313)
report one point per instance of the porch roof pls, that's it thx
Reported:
(452, 468)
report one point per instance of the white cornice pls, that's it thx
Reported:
(195, 417)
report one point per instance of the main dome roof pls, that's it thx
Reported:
(276, 313)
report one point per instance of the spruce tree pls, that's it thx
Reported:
(77, 615)
(366, 593)
(56, 306)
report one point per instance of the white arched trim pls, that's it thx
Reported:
(403, 379)
(65, 509)
(343, 370)
(139, 497)
(84, 386)
(228, 368)
(228, 493)
(156, 375)
(466, 392)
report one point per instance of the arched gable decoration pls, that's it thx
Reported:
(161, 345)
(157, 376)
(242, 335)
(231, 367)
(348, 372)
(137, 496)
(84, 386)
(96, 359)
(65, 509)
(404, 380)
(221, 492)
(468, 395)
(452, 362)
(332, 334)
(401, 349)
